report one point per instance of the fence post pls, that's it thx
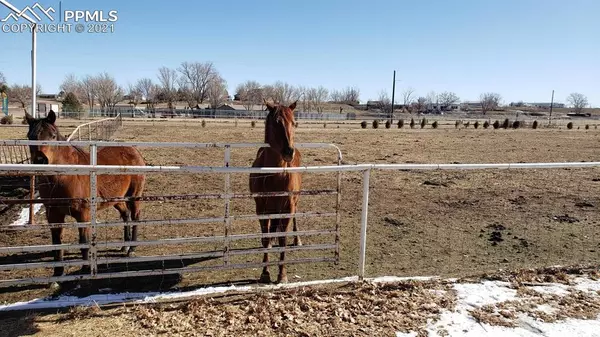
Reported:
(90, 132)
(363, 225)
(31, 197)
(227, 201)
(338, 202)
(93, 191)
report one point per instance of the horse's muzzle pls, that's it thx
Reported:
(288, 154)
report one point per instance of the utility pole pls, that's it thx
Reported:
(393, 96)
(551, 105)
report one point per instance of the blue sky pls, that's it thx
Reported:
(522, 49)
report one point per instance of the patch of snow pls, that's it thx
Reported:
(545, 308)
(391, 279)
(484, 293)
(24, 215)
(471, 296)
(152, 297)
(555, 289)
(402, 334)
(586, 284)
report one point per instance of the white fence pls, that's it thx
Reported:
(97, 130)
(93, 170)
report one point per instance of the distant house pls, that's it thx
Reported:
(470, 105)
(48, 96)
(544, 105)
(226, 107)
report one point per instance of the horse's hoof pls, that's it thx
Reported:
(297, 242)
(265, 278)
(54, 286)
(282, 279)
(124, 249)
(131, 253)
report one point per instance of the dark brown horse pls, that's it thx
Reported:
(78, 186)
(279, 134)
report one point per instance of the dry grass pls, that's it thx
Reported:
(350, 310)
(420, 222)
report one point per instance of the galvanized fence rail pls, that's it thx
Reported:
(227, 219)
(102, 129)
(94, 170)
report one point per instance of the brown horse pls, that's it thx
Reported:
(76, 186)
(279, 134)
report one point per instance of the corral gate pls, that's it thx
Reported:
(94, 260)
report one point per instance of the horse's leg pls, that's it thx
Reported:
(134, 208)
(297, 240)
(54, 216)
(283, 227)
(125, 215)
(84, 238)
(265, 277)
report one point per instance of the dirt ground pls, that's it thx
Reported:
(447, 223)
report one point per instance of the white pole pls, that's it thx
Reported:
(34, 71)
(363, 225)
(33, 52)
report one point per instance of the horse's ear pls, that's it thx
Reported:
(29, 118)
(51, 118)
(293, 105)
(270, 106)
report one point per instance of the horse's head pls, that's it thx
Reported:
(279, 129)
(42, 129)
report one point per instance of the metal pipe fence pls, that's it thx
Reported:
(94, 170)
(227, 239)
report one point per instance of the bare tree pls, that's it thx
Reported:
(72, 85)
(109, 93)
(316, 97)
(420, 104)
(351, 95)
(489, 101)
(250, 94)
(135, 95)
(336, 96)
(216, 92)
(3, 84)
(432, 100)
(578, 101)
(267, 93)
(407, 96)
(168, 81)
(89, 87)
(149, 91)
(284, 93)
(384, 103)
(447, 99)
(304, 96)
(196, 76)
(20, 94)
